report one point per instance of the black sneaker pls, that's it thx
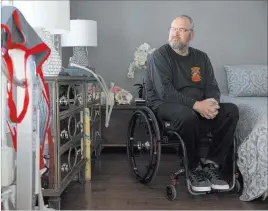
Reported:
(198, 182)
(213, 175)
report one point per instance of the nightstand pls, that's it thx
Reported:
(116, 134)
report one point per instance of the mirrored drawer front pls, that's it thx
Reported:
(69, 160)
(71, 127)
(70, 96)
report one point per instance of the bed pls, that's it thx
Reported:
(252, 137)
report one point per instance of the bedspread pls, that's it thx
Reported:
(252, 140)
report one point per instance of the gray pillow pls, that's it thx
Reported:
(247, 80)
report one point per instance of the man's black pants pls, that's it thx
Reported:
(188, 124)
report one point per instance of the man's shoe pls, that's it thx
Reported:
(214, 177)
(198, 182)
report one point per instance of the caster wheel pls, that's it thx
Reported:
(237, 186)
(171, 192)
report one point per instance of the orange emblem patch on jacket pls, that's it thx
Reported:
(195, 74)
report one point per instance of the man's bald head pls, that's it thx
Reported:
(181, 33)
(185, 17)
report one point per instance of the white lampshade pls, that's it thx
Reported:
(52, 15)
(82, 33)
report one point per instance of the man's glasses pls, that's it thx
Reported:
(183, 30)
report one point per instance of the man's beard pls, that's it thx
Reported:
(178, 45)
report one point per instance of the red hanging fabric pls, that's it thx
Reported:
(14, 117)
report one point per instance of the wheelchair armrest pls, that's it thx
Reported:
(140, 102)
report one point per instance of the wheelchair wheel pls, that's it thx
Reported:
(143, 145)
(237, 186)
(171, 192)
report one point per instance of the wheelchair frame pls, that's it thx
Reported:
(159, 138)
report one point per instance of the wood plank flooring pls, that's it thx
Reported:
(112, 187)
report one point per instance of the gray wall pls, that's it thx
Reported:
(230, 32)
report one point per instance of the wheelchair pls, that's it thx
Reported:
(160, 133)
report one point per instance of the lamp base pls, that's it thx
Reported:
(80, 57)
(52, 66)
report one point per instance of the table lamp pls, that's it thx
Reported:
(82, 34)
(48, 18)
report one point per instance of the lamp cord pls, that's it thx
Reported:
(109, 101)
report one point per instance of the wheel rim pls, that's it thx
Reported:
(155, 161)
(149, 146)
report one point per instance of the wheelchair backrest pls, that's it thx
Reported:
(147, 84)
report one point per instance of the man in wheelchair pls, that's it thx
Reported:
(182, 89)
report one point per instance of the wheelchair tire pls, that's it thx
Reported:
(171, 192)
(153, 145)
(237, 186)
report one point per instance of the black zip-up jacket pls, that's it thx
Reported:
(179, 79)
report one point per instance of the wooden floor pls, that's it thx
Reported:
(113, 187)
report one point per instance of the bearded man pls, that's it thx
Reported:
(182, 89)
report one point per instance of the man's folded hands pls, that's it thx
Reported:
(207, 108)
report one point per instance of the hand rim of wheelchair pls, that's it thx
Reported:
(148, 114)
(155, 147)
